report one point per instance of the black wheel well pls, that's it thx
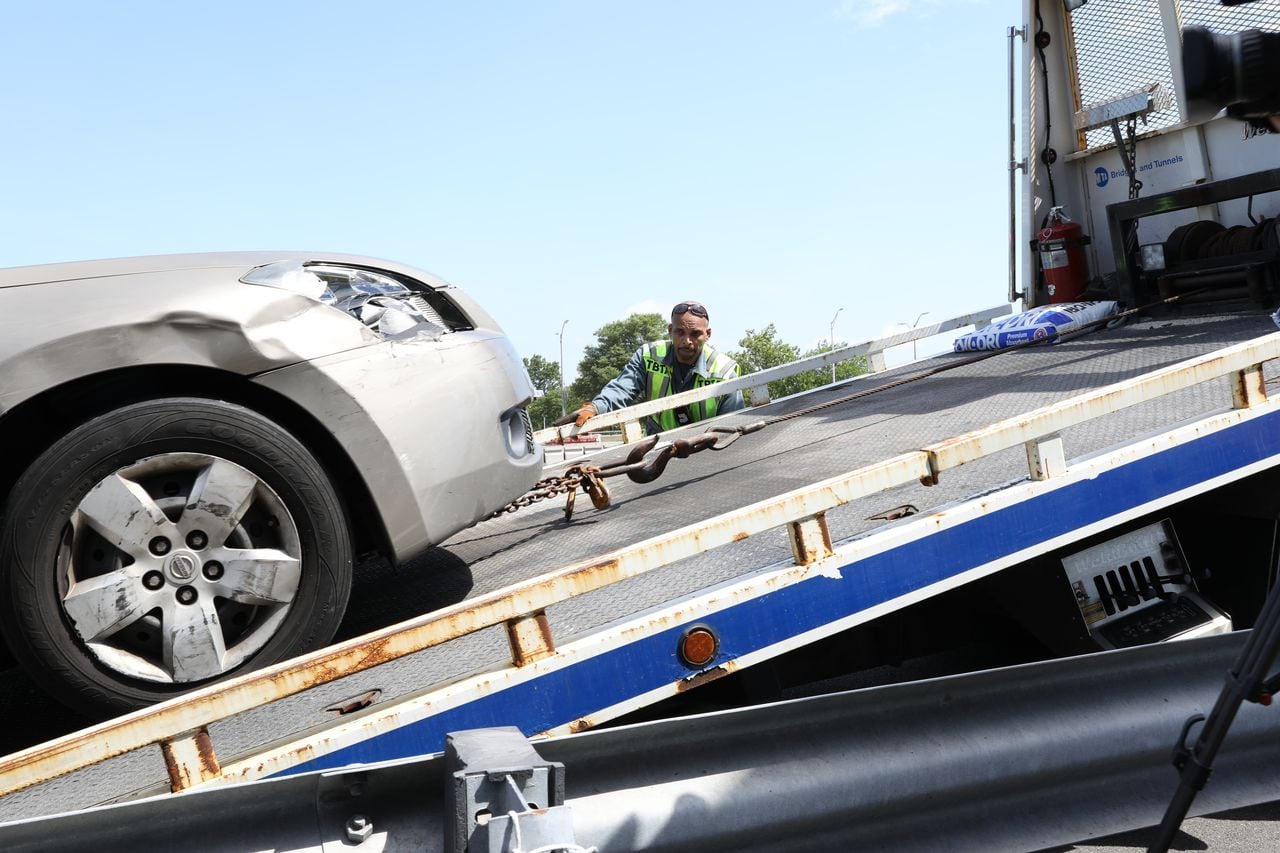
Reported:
(30, 428)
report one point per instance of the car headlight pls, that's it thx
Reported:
(384, 304)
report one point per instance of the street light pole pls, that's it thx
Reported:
(913, 325)
(564, 395)
(831, 339)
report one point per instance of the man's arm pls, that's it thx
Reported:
(731, 402)
(628, 388)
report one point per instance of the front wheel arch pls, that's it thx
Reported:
(31, 426)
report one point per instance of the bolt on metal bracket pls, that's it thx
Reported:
(500, 791)
(359, 828)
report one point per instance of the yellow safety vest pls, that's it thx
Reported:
(659, 370)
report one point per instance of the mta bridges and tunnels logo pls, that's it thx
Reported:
(1102, 175)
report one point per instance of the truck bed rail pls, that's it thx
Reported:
(758, 383)
(180, 726)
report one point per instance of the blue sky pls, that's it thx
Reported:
(558, 160)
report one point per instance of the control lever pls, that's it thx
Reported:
(1186, 577)
(1182, 574)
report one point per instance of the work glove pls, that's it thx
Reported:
(586, 413)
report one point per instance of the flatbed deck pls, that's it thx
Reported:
(783, 457)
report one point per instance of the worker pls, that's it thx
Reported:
(666, 367)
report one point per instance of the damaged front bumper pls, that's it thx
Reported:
(437, 429)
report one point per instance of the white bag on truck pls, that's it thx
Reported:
(1037, 324)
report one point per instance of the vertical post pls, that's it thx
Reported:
(1248, 387)
(914, 341)
(190, 759)
(631, 432)
(1014, 165)
(530, 638)
(831, 340)
(564, 394)
(1045, 457)
(810, 539)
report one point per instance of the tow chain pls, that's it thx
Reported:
(638, 469)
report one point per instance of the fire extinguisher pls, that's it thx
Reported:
(1061, 244)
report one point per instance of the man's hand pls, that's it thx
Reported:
(578, 418)
(586, 413)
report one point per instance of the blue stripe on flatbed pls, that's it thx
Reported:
(589, 685)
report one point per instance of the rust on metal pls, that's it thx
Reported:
(580, 725)
(355, 703)
(810, 539)
(595, 488)
(190, 759)
(1249, 387)
(707, 676)
(530, 638)
(894, 513)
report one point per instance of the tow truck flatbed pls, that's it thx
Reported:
(614, 646)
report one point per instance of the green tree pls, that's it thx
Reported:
(614, 346)
(844, 370)
(545, 375)
(764, 349)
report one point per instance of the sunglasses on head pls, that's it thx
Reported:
(694, 308)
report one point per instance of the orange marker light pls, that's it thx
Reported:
(699, 646)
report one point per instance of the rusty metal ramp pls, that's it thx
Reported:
(773, 540)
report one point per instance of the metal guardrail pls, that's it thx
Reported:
(1009, 759)
(180, 725)
(630, 417)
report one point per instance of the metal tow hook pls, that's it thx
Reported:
(595, 488)
(638, 452)
(591, 483)
(681, 448)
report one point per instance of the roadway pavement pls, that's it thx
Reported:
(1254, 829)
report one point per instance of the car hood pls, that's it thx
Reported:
(46, 273)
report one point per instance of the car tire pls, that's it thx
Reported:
(167, 545)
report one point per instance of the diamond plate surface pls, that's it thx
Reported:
(797, 453)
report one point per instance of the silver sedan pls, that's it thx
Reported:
(197, 445)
